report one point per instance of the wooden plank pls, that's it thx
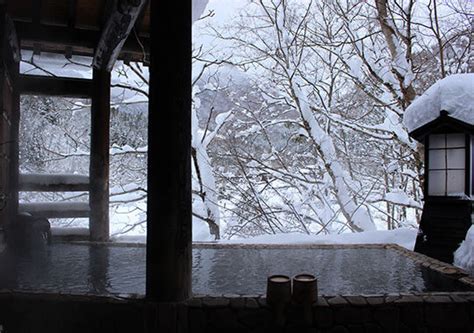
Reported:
(169, 228)
(119, 24)
(55, 86)
(56, 209)
(99, 158)
(83, 41)
(53, 183)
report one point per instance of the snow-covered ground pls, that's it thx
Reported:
(404, 237)
(464, 256)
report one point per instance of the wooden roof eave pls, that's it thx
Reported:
(443, 124)
(83, 28)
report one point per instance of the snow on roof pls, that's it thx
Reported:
(454, 94)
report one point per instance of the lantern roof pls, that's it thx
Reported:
(444, 123)
(448, 103)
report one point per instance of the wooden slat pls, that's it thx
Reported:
(55, 86)
(53, 183)
(119, 24)
(56, 209)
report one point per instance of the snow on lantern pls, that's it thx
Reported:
(443, 120)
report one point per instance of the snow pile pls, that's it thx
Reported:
(399, 197)
(454, 94)
(464, 255)
(403, 236)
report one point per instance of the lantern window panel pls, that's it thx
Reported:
(456, 158)
(455, 141)
(437, 183)
(455, 182)
(447, 164)
(437, 159)
(437, 141)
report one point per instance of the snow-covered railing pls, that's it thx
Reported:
(56, 209)
(33, 182)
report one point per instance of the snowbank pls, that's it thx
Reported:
(404, 237)
(464, 256)
(454, 94)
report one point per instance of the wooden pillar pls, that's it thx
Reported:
(9, 118)
(99, 157)
(15, 139)
(169, 256)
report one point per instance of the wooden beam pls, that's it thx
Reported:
(53, 183)
(83, 41)
(56, 209)
(99, 158)
(55, 86)
(121, 21)
(169, 214)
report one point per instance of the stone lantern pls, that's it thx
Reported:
(443, 121)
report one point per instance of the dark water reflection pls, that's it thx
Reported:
(102, 270)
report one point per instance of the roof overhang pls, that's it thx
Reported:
(443, 124)
(84, 27)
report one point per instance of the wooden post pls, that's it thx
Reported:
(9, 118)
(99, 157)
(15, 139)
(169, 253)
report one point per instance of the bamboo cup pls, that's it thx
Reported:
(305, 289)
(305, 293)
(278, 289)
(278, 297)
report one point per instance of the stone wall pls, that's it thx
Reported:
(436, 312)
(440, 312)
